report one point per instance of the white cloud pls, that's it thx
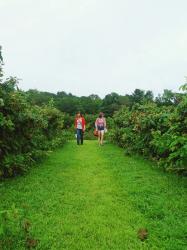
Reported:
(95, 46)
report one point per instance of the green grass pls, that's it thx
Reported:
(91, 197)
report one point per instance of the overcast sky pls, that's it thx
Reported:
(95, 46)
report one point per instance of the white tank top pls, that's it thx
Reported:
(79, 123)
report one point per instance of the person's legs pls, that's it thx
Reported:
(78, 136)
(99, 136)
(81, 135)
(102, 136)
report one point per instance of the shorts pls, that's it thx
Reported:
(102, 132)
(101, 129)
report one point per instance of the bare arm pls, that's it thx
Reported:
(96, 123)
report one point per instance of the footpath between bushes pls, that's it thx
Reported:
(91, 197)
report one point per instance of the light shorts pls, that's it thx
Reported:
(102, 131)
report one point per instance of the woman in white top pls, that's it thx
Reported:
(80, 126)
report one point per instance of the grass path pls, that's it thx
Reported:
(90, 197)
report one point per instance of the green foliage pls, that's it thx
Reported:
(184, 87)
(71, 104)
(90, 125)
(93, 197)
(92, 104)
(39, 98)
(31, 123)
(159, 132)
(27, 131)
(15, 230)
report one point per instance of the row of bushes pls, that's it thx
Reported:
(158, 132)
(27, 132)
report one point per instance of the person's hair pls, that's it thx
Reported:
(78, 113)
(100, 115)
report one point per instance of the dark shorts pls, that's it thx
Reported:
(101, 128)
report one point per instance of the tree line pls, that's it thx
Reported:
(93, 104)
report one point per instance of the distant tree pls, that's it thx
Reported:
(111, 98)
(138, 96)
(110, 104)
(1, 63)
(39, 97)
(62, 94)
(184, 86)
(167, 98)
(94, 97)
(1, 57)
(90, 104)
(125, 100)
(68, 104)
(149, 96)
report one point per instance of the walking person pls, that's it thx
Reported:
(100, 125)
(80, 126)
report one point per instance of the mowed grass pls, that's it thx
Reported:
(91, 197)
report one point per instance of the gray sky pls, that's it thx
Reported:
(95, 46)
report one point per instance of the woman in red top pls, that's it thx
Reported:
(80, 126)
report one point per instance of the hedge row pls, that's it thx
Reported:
(158, 132)
(27, 132)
